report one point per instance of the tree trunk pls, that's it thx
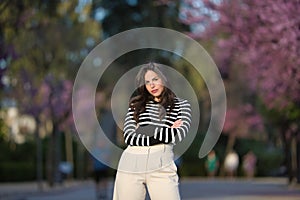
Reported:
(294, 158)
(57, 154)
(288, 154)
(49, 163)
(39, 157)
(69, 151)
(298, 157)
(54, 155)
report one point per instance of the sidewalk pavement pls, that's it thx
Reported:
(192, 188)
(20, 190)
(239, 189)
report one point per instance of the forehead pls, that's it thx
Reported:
(150, 74)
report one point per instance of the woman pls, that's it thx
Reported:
(212, 163)
(156, 120)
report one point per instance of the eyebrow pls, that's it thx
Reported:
(156, 77)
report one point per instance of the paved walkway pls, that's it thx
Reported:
(191, 189)
(21, 190)
(239, 189)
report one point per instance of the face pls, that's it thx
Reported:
(154, 84)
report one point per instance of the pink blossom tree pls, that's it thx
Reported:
(49, 102)
(262, 38)
(48, 42)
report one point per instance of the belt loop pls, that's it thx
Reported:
(164, 148)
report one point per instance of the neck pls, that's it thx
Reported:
(157, 99)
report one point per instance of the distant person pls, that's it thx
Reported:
(100, 174)
(231, 163)
(212, 164)
(102, 151)
(178, 163)
(249, 164)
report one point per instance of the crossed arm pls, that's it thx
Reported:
(154, 134)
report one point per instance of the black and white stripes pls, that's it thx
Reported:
(152, 130)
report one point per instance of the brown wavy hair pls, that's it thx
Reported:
(141, 95)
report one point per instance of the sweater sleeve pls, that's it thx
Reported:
(135, 135)
(175, 135)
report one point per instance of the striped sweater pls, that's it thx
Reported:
(151, 130)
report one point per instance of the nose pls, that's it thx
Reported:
(152, 84)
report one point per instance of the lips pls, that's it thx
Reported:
(154, 91)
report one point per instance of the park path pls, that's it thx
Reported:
(191, 189)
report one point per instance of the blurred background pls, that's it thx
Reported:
(255, 44)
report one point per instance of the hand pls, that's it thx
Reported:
(177, 124)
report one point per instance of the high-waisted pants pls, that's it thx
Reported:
(152, 167)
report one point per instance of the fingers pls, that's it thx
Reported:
(177, 124)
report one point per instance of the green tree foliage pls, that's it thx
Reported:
(45, 43)
(122, 15)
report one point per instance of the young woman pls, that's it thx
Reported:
(156, 120)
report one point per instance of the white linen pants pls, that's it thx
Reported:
(153, 167)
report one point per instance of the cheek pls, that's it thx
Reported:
(161, 87)
(161, 84)
(148, 88)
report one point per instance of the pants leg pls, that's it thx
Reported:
(153, 166)
(163, 183)
(129, 186)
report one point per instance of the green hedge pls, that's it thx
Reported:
(269, 157)
(17, 171)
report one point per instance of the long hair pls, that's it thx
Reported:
(142, 96)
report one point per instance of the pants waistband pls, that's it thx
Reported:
(149, 149)
(139, 159)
